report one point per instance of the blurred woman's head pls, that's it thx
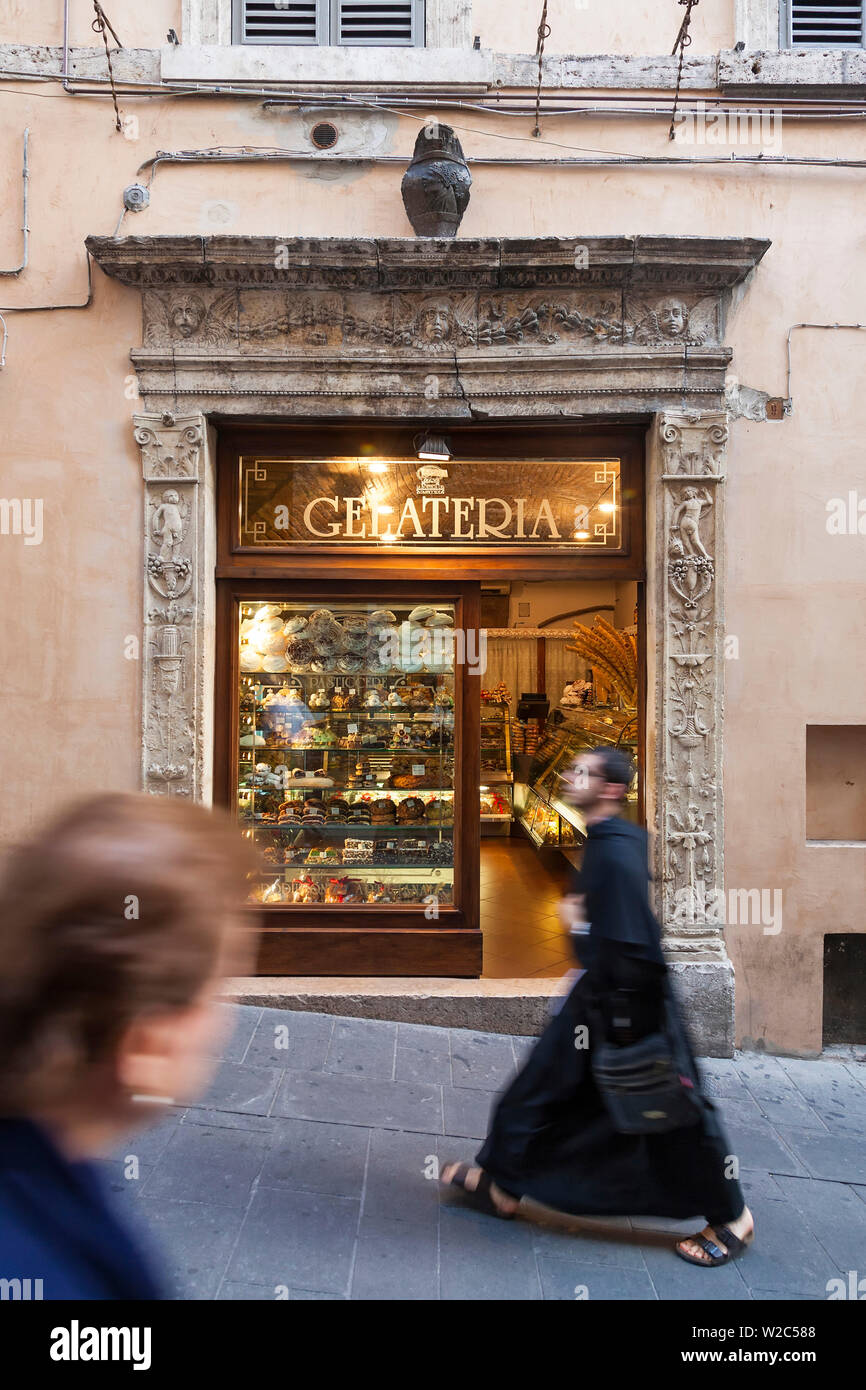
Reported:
(117, 922)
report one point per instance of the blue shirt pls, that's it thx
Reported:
(57, 1224)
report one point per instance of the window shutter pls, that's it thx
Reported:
(817, 24)
(378, 22)
(282, 21)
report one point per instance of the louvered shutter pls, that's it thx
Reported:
(281, 21)
(817, 24)
(377, 22)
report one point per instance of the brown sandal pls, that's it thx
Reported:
(735, 1248)
(481, 1198)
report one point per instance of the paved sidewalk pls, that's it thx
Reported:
(308, 1169)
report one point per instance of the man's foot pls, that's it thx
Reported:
(740, 1234)
(475, 1180)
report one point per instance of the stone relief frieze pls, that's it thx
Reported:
(689, 697)
(171, 454)
(203, 319)
(269, 320)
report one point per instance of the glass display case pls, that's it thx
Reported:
(345, 752)
(496, 769)
(495, 743)
(543, 814)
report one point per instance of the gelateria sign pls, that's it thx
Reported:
(412, 502)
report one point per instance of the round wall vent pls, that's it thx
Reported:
(324, 135)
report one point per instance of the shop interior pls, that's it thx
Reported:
(558, 681)
(346, 751)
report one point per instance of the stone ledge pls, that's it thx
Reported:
(665, 262)
(485, 1006)
(372, 69)
(794, 72)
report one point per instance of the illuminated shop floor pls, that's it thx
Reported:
(519, 893)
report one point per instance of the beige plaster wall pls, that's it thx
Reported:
(576, 26)
(796, 595)
(587, 26)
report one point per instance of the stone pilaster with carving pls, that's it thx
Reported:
(689, 691)
(173, 462)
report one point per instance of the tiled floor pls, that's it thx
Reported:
(309, 1172)
(519, 894)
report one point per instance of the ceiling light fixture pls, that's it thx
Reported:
(432, 446)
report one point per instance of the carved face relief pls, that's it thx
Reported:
(187, 314)
(434, 323)
(673, 318)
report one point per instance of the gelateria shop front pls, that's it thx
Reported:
(417, 630)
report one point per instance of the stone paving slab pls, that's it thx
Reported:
(309, 1170)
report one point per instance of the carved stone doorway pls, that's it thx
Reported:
(629, 328)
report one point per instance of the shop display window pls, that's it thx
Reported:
(345, 752)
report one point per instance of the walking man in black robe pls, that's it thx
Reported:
(552, 1138)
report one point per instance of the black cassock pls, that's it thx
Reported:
(551, 1138)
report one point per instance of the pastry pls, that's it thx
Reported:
(320, 700)
(349, 662)
(299, 652)
(439, 619)
(410, 810)
(421, 613)
(382, 616)
(250, 659)
(305, 890)
(294, 625)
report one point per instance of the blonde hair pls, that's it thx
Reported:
(123, 906)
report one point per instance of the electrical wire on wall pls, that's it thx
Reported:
(543, 33)
(683, 41)
(99, 26)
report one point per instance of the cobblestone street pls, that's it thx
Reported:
(308, 1170)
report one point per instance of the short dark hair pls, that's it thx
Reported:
(616, 766)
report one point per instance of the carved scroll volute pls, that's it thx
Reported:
(690, 680)
(172, 450)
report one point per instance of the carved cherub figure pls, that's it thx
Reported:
(167, 525)
(687, 517)
(187, 314)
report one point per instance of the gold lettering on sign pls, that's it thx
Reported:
(334, 527)
(486, 528)
(545, 512)
(353, 514)
(435, 503)
(520, 504)
(410, 512)
(462, 506)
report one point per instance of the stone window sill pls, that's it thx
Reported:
(796, 71)
(350, 67)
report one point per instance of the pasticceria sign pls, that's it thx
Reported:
(404, 502)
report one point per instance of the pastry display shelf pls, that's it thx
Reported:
(350, 827)
(275, 680)
(394, 873)
(405, 716)
(494, 816)
(428, 750)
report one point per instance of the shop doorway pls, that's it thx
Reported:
(564, 662)
(405, 815)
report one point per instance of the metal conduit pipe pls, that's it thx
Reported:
(591, 162)
(788, 402)
(25, 230)
(277, 96)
